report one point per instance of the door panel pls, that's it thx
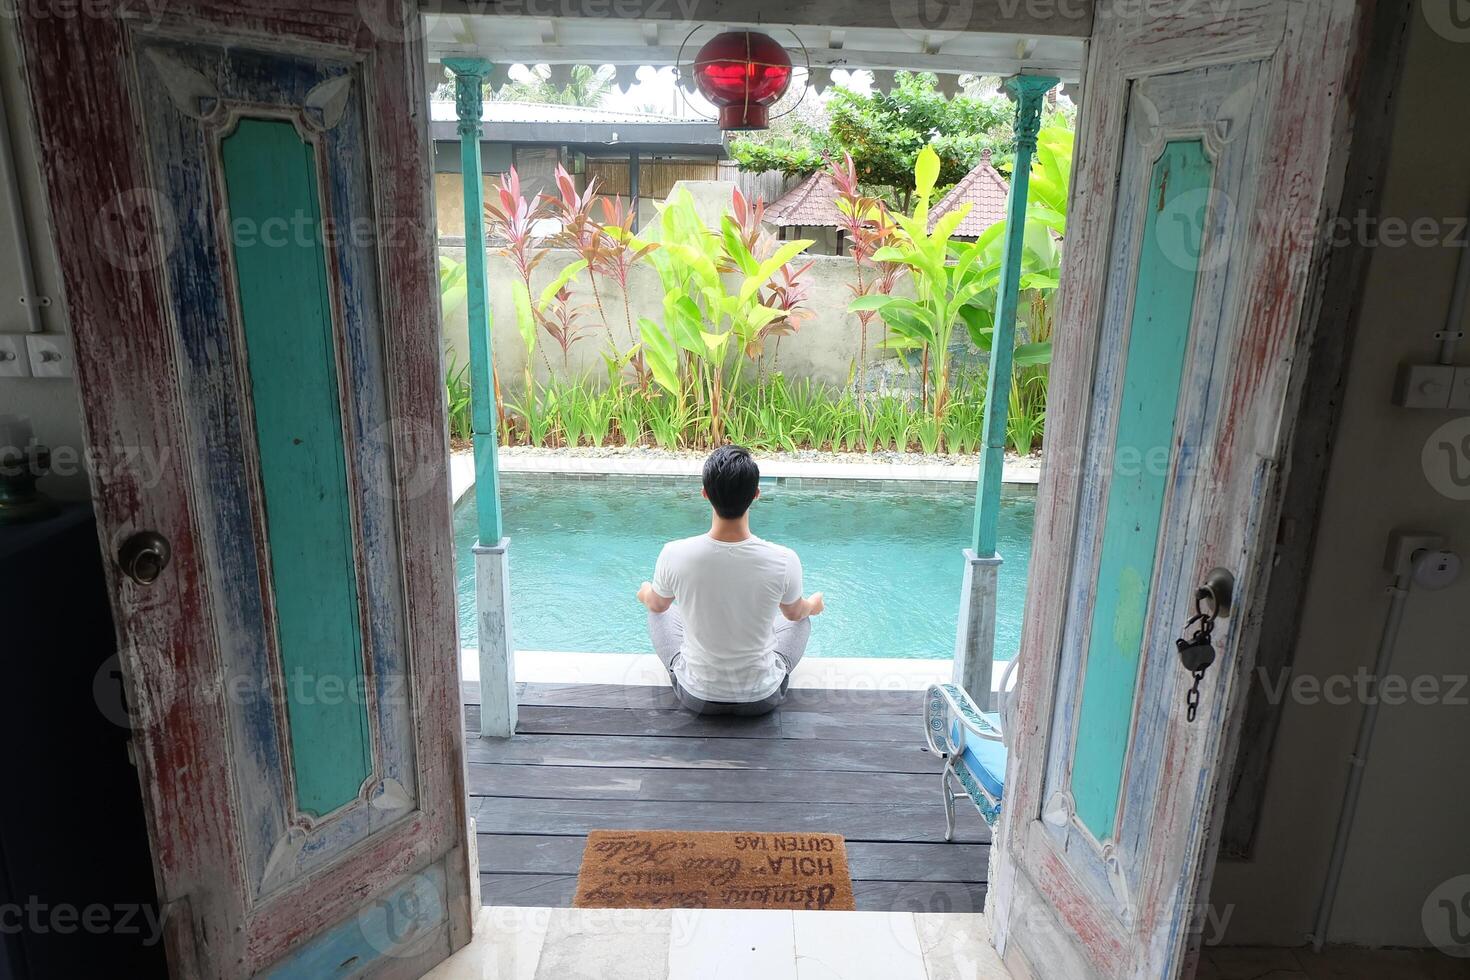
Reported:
(1205, 161)
(278, 303)
(233, 196)
(1158, 337)
(1173, 297)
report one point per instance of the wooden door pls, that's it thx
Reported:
(1208, 155)
(240, 199)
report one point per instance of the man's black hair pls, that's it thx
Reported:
(731, 479)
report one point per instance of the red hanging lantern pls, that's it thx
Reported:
(743, 74)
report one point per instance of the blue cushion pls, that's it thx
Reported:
(985, 759)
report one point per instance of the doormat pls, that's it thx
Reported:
(676, 869)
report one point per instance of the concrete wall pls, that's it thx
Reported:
(1411, 827)
(825, 348)
(53, 405)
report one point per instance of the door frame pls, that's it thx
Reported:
(109, 230)
(1043, 914)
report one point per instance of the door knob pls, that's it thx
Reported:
(144, 556)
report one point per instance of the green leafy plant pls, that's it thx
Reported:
(943, 288)
(706, 324)
(457, 389)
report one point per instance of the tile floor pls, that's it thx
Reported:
(716, 944)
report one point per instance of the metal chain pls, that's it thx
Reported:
(1191, 700)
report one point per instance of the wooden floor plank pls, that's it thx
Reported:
(868, 861)
(717, 785)
(919, 896)
(638, 751)
(553, 891)
(603, 756)
(678, 723)
(854, 821)
(869, 896)
(863, 702)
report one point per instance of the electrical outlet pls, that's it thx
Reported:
(1460, 390)
(1424, 386)
(14, 362)
(50, 355)
(1403, 543)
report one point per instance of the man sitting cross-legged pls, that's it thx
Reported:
(725, 609)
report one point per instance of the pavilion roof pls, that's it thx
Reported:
(811, 203)
(985, 190)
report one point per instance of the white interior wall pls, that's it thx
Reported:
(1410, 833)
(53, 404)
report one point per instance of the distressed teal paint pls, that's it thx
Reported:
(1030, 91)
(1163, 306)
(406, 922)
(469, 75)
(281, 274)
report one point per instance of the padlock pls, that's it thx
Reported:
(1196, 654)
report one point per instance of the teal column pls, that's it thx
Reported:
(498, 707)
(974, 654)
(469, 77)
(1030, 91)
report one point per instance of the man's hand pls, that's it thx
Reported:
(802, 608)
(655, 602)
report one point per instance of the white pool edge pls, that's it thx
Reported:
(644, 669)
(462, 469)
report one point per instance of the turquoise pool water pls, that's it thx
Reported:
(890, 564)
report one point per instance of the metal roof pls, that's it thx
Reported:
(587, 126)
(540, 112)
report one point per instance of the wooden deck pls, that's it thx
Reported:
(592, 757)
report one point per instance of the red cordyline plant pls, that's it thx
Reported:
(514, 219)
(580, 232)
(788, 290)
(609, 248)
(868, 227)
(559, 319)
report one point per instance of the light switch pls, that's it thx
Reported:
(50, 355)
(14, 361)
(1424, 386)
(1460, 390)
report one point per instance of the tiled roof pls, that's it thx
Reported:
(811, 203)
(513, 112)
(985, 190)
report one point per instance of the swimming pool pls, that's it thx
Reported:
(889, 563)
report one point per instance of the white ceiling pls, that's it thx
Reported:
(507, 39)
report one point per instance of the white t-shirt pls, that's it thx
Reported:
(728, 594)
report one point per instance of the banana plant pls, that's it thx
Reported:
(947, 278)
(1041, 258)
(701, 315)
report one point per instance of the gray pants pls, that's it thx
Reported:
(667, 631)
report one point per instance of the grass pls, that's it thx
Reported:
(772, 415)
